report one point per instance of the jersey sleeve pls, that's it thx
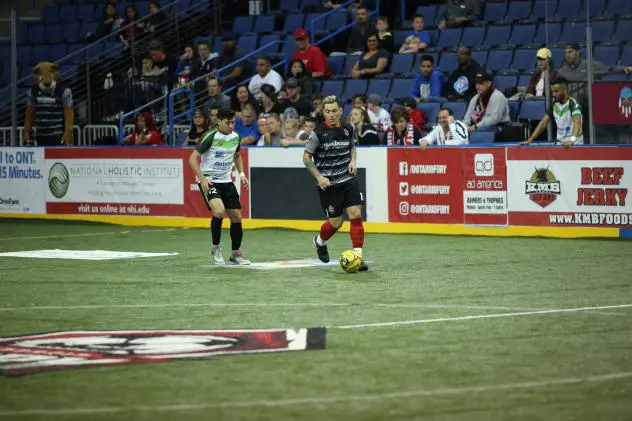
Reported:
(312, 143)
(575, 108)
(205, 142)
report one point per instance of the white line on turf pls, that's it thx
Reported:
(480, 307)
(483, 316)
(448, 391)
(88, 234)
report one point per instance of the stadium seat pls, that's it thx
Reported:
(480, 56)
(431, 110)
(450, 38)
(548, 33)
(380, 87)
(336, 21)
(336, 64)
(24, 54)
(402, 63)
(309, 3)
(568, 9)
(514, 109)
(458, 109)
(40, 53)
(22, 30)
(597, 7)
(481, 137)
(448, 61)
(532, 110)
(558, 56)
(50, 13)
(242, 24)
(523, 80)
(439, 16)
(624, 30)
(502, 83)
(518, 10)
(332, 87)
(428, 12)
(494, 12)
(53, 34)
(68, 13)
(95, 51)
(247, 43)
(77, 53)
(346, 110)
(70, 32)
(401, 88)
(290, 45)
(354, 87)
(524, 59)
(602, 30)
(499, 60)
(142, 7)
(58, 51)
(293, 22)
(399, 37)
(615, 77)
(266, 39)
(574, 32)
(607, 54)
(497, 35)
(85, 13)
(522, 35)
(626, 55)
(544, 9)
(86, 29)
(319, 24)
(473, 36)
(289, 5)
(350, 61)
(36, 33)
(264, 24)
(619, 7)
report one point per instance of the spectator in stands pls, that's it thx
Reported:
(373, 62)
(290, 128)
(387, 42)
(364, 133)
(203, 64)
(111, 22)
(418, 40)
(460, 13)
(265, 75)
(415, 115)
(269, 103)
(199, 126)
(378, 116)
(246, 126)
(297, 70)
(448, 132)
(359, 100)
(429, 81)
(145, 132)
(271, 134)
(460, 85)
(360, 32)
(132, 26)
(295, 99)
(215, 95)
(241, 99)
(212, 117)
(403, 132)
(544, 60)
(488, 109)
(575, 67)
(229, 55)
(156, 16)
(303, 135)
(317, 105)
(281, 96)
(167, 64)
(314, 59)
(329, 4)
(185, 65)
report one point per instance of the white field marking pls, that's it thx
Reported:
(89, 234)
(482, 316)
(480, 307)
(376, 397)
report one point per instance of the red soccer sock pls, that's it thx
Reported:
(357, 233)
(327, 231)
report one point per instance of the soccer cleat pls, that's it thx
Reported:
(323, 253)
(237, 258)
(218, 258)
(363, 267)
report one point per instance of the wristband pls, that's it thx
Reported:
(573, 139)
(242, 174)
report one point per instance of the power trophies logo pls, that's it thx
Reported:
(58, 180)
(543, 188)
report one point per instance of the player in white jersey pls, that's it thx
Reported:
(448, 132)
(217, 151)
(567, 114)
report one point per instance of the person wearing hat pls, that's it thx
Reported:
(313, 57)
(575, 67)
(294, 98)
(229, 55)
(265, 75)
(544, 60)
(379, 117)
(199, 126)
(489, 108)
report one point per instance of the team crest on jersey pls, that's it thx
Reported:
(543, 188)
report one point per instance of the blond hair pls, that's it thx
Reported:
(331, 99)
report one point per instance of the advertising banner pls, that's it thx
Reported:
(484, 186)
(579, 187)
(615, 102)
(425, 186)
(22, 180)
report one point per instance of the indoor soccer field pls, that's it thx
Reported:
(440, 328)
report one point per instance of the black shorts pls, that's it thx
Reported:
(337, 198)
(226, 192)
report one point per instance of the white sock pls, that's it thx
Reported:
(320, 241)
(358, 250)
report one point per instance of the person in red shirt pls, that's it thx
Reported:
(145, 132)
(313, 57)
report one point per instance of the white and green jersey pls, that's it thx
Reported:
(218, 153)
(563, 115)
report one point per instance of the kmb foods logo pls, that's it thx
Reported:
(543, 188)
(58, 180)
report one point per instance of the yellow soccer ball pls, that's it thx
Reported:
(350, 261)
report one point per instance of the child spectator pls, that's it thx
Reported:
(387, 42)
(403, 131)
(379, 117)
(418, 40)
(364, 133)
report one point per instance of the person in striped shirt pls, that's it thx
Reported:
(448, 132)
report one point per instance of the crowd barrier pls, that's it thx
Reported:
(499, 191)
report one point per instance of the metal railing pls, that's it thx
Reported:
(312, 33)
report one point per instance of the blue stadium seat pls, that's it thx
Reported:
(77, 53)
(401, 88)
(626, 55)
(319, 25)
(247, 43)
(242, 24)
(431, 111)
(619, 7)
(24, 54)
(458, 109)
(514, 109)
(473, 36)
(86, 29)
(502, 83)
(142, 7)
(428, 12)
(22, 30)
(558, 56)
(439, 16)
(68, 13)
(70, 32)
(309, 3)
(607, 54)
(481, 137)
(85, 13)
(332, 87)
(568, 9)
(40, 53)
(497, 35)
(53, 34)
(380, 87)
(350, 61)
(518, 10)
(499, 59)
(551, 30)
(481, 57)
(399, 37)
(354, 87)
(532, 110)
(523, 80)
(624, 30)
(336, 21)
(524, 59)
(574, 32)
(544, 9)
(265, 39)
(293, 22)
(58, 51)
(402, 63)
(602, 30)
(522, 35)
(95, 51)
(336, 64)
(289, 5)
(50, 13)
(36, 32)
(450, 38)
(615, 77)
(346, 110)
(264, 24)
(597, 7)
(290, 45)
(113, 49)
(99, 9)
(448, 61)
(495, 12)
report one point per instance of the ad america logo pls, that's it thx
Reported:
(543, 188)
(484, 165)
(57, 351)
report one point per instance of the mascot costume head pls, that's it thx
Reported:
(53, 100)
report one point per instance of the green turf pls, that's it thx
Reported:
(449, 370)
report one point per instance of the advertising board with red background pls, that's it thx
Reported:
(614, 101)
(484, 186)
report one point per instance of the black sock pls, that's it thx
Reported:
(236, 234)
(216, 230)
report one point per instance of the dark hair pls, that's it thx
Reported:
(365, 114)
(363, 97)
(203, 42)
(219, 82)
(234, 100)
(265, 58)
(399, 113)
(560, 80)
(418, 16)
(427, 57)
(449, 110)
(156, 45)
(289, 69)
(310, 119)
(225, 114)
(214, 107)
(383, 18)
(133, 8)
(316, 97)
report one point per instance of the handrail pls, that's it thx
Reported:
(312, 34)
(171, 118)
